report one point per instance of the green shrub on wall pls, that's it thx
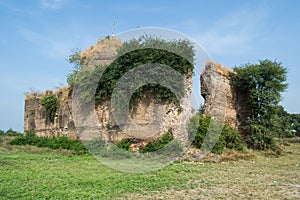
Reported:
(134, 53)
(142, 54)
(50, 103)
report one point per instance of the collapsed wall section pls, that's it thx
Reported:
(146, 112)
(216, 87)
(219, 94)
(36, 120)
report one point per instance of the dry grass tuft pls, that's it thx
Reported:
(224, 71)
(62, 94)
(104, 48)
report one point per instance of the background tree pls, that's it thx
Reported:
(281, 123)
(263, 84)
(295, 123)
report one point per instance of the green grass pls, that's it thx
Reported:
(40, 173)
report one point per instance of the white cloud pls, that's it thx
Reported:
(53, 4)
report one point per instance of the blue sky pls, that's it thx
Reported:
(37, 36)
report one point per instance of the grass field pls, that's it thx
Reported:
(39, 173)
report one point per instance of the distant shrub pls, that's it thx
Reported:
(28, 139)
(229, 138)
(260, 138)
(124, 144)
(9, 132)
(158, 144)
(115, 152)
(198, 127)
(165, 145)
(174, 148)
(95, 145)
(233, 138)
(52, 143)
(99, 147)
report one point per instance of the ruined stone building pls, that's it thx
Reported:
(216, 89)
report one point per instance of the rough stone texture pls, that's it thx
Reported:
(219, 94)
(222, 102)
(35, 119)
(151, 118)
(102, 53)
(145, 113)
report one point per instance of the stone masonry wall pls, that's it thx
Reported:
(216, 87)
(35, 119)
(218, 93)
(146, 112)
